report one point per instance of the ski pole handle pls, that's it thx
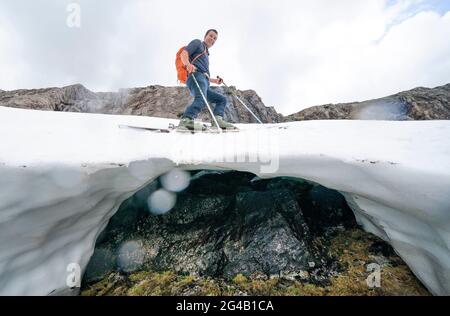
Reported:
(220, 80)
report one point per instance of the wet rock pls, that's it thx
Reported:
(229, 223)
(102, 262)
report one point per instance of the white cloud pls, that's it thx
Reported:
(411, 54)
(293, 53)
(11, 63)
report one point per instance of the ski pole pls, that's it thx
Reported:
(242, 102)
(206, 101)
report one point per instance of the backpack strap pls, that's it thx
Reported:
(198, 56)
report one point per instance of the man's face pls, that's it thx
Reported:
(210, 39)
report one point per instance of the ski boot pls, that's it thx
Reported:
(186, 123)
(223, 124)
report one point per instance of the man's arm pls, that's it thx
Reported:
(185, 59)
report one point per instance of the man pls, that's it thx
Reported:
(195, 58)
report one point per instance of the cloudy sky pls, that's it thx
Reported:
(293, 53)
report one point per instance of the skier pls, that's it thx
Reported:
(195, 60)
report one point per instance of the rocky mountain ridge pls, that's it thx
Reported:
(416, 104)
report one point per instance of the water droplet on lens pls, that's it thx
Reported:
(161, 201)
(175, 180)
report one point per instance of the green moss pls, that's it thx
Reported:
(240, 279)
(293, 291)
(139, 276)
(140, 289)
(99, 289)
(264, 287)
(351, 249)
(209, 287)
(185, 281)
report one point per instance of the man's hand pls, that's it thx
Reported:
(216, 81)
(191, 68)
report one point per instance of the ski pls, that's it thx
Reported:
(151, 129)
(207, 131)
(173, 129)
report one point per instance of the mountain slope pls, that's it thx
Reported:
(415, 104)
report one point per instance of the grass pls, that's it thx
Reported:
(352, 250)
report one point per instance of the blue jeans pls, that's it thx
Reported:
(212, 97)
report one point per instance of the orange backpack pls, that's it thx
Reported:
(181, 69)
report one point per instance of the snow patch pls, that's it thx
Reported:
(64, 175)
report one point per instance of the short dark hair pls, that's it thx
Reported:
(211, 30)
